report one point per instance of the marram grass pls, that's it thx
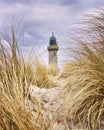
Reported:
(84, 105)
(42, 78)
(16, 76)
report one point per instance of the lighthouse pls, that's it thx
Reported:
(52, 50)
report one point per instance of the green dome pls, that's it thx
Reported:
(52, 37)
(53, 40)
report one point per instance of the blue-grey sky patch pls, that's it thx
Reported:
(41, 1)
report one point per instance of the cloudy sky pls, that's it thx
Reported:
(42, 17)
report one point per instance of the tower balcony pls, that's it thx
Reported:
(53, 48)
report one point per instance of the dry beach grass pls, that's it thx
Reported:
(85, 100)
(16, 75)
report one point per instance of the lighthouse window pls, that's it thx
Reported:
(52, 42)
(54, 53)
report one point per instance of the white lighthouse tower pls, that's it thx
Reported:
(53, 49)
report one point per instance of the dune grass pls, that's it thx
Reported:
(16, 76)
(42, 78)
(14, 85)
(52, 70)
(85, 99)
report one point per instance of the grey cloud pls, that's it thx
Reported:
(60, 2)
(52, 2)
(69, 2)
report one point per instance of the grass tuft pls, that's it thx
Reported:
(84, 105)
(42, 78)
(16, 76)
